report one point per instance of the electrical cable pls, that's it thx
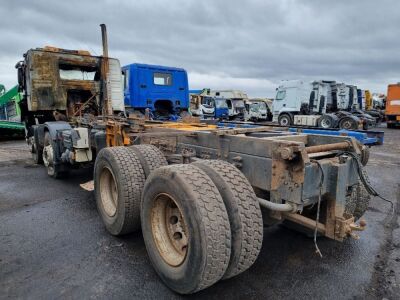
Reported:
(318, 207)
(365, 180)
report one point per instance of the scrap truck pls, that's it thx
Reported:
(392, 112)
(164, 91)
(10, 114)
(200, 194)
(207, 107)
(234, 100)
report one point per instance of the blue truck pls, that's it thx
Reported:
(207, 107)
(162, 90)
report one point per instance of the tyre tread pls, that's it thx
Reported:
(152, 156)
(132, 175)
(215, 220)
(249, 213)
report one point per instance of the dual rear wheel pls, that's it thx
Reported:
(201, 222)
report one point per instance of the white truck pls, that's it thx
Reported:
(297, 101)
(316, 104)
(258, 110)
(234, 99)
(202, 106)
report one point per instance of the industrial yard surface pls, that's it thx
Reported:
(53, 244)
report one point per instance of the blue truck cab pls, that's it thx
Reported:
(163, 90)
(221, 109)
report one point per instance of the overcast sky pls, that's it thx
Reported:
(248, 45)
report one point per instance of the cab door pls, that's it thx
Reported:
(143, 87)
(126, 86)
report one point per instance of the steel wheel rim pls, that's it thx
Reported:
(325, 123)
(108, 192)
(48, 159)
(48, 155)
(169, 230)
(285, 121)
(347, 124)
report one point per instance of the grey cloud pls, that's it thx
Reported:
(231, 41)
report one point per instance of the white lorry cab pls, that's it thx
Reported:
(258, 110)
(234, 99)
(296, 97)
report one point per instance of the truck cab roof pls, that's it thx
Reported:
(153, 67)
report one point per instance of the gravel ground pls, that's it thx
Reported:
(53, 244)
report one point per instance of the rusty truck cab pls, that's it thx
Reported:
(59, 84)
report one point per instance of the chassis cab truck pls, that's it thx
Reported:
(393, 105)
(162, 90)
(201, 195)
(202, 198)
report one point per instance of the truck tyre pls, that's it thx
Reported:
(185, 228)
(37, 153)
(184, 114)
(327, 121)
(364, 157)
(118, 183)
(136, 114)
(243, 211)
(358, 201)
(285, 120)
(348, 123)
(150, 157)
(366, 125)
(48, 156)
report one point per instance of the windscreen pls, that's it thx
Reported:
(221, 103)
(238, 103)
(162, 78)
(207, 102)
(73, 72)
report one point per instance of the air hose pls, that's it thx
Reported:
(364, 178)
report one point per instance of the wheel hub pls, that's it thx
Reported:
(284, 121)
(325, 123)
(347, 124)
(169, 230)
(48, 155)
(108, 192)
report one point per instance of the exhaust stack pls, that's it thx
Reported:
(104, 40)
(107, 104)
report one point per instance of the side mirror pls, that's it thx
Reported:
(20, 77)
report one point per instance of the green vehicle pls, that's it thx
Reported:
(10, 112)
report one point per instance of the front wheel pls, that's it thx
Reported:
(49, 159)
(37, 153)
(285, 120)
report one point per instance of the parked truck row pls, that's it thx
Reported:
(229, 105)
(325, 104)
(200, 194)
